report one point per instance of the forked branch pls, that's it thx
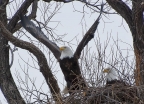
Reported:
(39, 35)
(88, 36)
(30, 16)
(123, 10)
(51, 81)
(22, 10)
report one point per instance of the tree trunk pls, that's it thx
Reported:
(138, 41)
(135, 20)
(7, 84)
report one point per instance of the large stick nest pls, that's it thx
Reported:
(114, 94)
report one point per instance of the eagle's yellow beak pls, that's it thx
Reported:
(106, 71)
(62, 48)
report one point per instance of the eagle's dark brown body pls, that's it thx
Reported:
(71, 71)
(116, 82)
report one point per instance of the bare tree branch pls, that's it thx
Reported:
(38, 34)
(88, 36)
(83, 1)
(15, 18)
(7, 83)
(51, 81)
(65, 1)
(12, 56)
(30, 16)
(123, 10)
(34, 9)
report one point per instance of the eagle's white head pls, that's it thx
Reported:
(66, 52)
(111, 74)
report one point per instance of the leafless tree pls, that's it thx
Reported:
(131, 11)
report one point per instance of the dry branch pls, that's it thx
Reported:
(51, 81)
(88, 36)
(39, 35)
(123, 10)
(115, 94)
(7, 83)
(22, 10)
(30, 16)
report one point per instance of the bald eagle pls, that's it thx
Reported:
(71, 70)
(112, 77)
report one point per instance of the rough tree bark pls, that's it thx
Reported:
(138, 37)
(7, 84)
